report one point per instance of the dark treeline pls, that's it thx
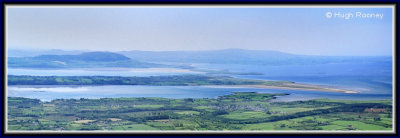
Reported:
(356, 107)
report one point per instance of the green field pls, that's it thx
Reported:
(239, 111)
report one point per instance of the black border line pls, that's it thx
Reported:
(238, 133)
(3, 113)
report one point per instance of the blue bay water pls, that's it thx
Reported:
(372, 79)
(47, 93)
(101, 72)
(365, 77)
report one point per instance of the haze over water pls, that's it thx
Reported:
(372, 80)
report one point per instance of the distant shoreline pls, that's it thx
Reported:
(306, 87)
(184, 80)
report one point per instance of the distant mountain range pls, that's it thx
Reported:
(214, 56)
(241, 56)
(81, 59)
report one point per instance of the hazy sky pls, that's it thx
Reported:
(300, 30)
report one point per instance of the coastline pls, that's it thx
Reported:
(293, 87)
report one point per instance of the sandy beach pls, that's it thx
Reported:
(293, 86)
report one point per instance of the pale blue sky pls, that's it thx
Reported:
(297, 30)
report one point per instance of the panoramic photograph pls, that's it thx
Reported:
(198, 69)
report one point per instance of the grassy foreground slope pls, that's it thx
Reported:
(239, 111)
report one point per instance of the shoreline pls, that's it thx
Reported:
(287, 87)
(307, 87)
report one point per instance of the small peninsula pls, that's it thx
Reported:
(178, 80)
